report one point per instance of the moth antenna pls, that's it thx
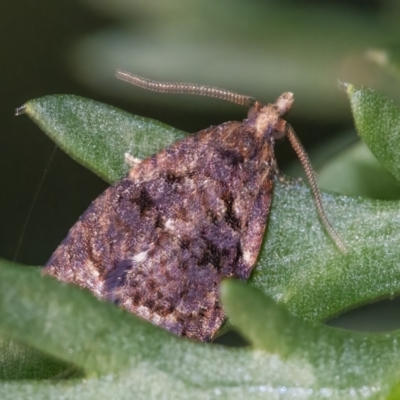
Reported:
(305, 161)
(185, 88)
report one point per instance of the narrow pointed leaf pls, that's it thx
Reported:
(128, 357)
(338, 359)
(98, 135)
(48, 308)
(300, 266)
(356, 172)
(18, 361)
(377, 120)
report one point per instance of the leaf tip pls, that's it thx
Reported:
(20, 110)
(344, 86)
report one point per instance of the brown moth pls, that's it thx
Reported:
(159, 242)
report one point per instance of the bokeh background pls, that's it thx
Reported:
(255, 47)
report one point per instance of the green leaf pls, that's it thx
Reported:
(338, 359)
(127, 357)
(48, 307)
(356, 172)
(98, 135)
(300, 266)
(377, 120)
(18, 361)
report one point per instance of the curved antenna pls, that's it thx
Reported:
(305, 162)
(185, 88)
(223, 94)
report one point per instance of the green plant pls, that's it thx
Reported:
(91, 349)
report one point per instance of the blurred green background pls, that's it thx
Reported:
(260, 48)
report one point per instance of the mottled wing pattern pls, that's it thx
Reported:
(160, 241)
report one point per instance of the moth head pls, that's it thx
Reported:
(269, 119)
(284, 103)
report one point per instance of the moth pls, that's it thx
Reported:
(159, 241)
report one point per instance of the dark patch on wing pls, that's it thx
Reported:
(144, 201)
(232, 157)
(239, 253)
(214, 255)
(172, 178)
(230, 216)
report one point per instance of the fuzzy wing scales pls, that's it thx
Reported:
(160, 241)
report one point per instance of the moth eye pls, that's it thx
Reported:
(280, 130)
(279, 134)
